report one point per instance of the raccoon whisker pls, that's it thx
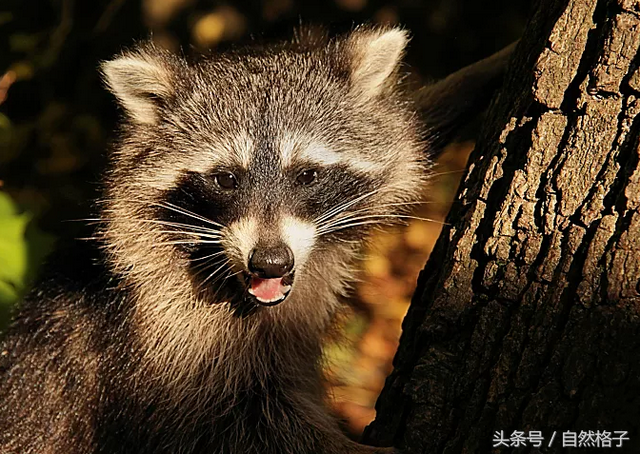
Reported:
(368, 219)
(335, 228)
(345, 217)
(156, 221)
(206, 265)
(215, 254)
(233, 274)
(171, 243)
(89, 238)
(414, 218)
(225, 263)
(175, 232)
(354, 215)
(209, 238)
(342, 207)
(228, 276)
(161, 243)
(404, 204)
(367, 214)
(348, 204)
(448, 172)
(183, 228)
(180, 224)
(385, 205)
(402, 216)
(196, 235)
(346, 226)
(221, 276)
(186, 212)
(90, 220)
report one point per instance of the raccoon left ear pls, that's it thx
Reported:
(140, 80)
(375, 55)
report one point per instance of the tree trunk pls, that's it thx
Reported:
(526, 317)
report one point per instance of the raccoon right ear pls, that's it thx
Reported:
(140, 81)
(375, 55)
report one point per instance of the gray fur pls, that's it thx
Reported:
(135, 351)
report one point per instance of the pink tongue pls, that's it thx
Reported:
(267, 289)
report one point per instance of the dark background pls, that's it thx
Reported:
(56, 121)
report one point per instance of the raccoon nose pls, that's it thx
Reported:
(272, 262)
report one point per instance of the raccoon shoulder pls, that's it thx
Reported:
(52, 353)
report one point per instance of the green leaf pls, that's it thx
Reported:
(8, 294)
(22, 249)
(14, 257)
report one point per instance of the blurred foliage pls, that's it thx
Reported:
(359, 363)
(22, 248)
(13, 251)
(56, 121)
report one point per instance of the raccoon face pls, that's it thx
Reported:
(256, 175)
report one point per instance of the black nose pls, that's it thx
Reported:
(271, 262)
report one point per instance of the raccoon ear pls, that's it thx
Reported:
(375, 55)
(140, 81)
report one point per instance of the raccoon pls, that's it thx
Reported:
(237, 200)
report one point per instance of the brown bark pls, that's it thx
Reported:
(526, 317)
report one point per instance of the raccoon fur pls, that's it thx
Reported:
(238, 196)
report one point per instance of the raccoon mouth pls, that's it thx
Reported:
(269, 292)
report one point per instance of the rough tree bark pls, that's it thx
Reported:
(526, 316)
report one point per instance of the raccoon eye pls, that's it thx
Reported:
(226, 180)
(307, 176)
